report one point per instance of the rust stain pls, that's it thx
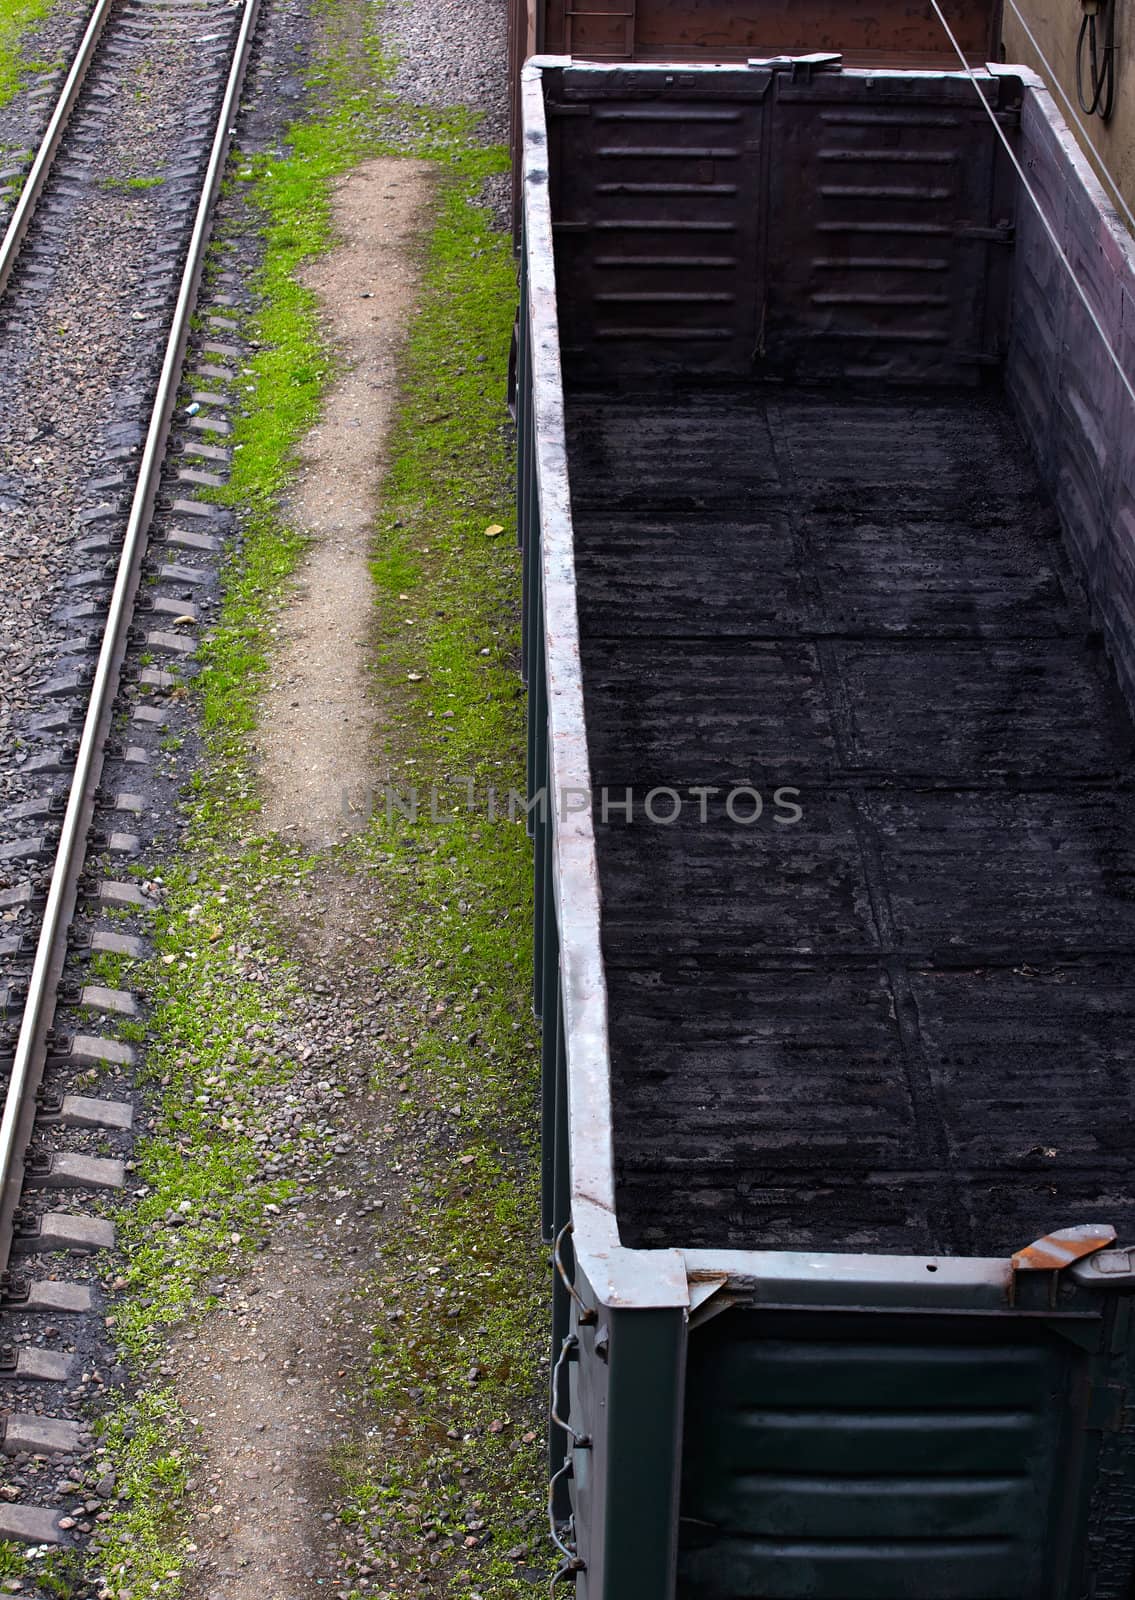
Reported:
(1059, 1249)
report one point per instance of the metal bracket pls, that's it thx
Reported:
(802, 68)
(1106, 1269)
(706, 1298)
(1000, 233)
(14, 997)
(1061, 1248)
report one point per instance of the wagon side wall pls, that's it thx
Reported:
(1075, 410)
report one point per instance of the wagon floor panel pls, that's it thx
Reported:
(902, 1020)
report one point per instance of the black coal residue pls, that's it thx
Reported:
(902, 1021)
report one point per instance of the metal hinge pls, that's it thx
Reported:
(1000, 233)
(802, 68)
(1105, 1407)
(1061, 1250)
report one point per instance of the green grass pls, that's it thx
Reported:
(206, 1060)
(457, 903)
(16, 17)
(458, 1452)
(132, 185)
(144, 1550)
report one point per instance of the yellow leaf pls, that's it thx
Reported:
(493, 529)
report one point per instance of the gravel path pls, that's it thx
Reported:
(453, 53)
(274, 1375)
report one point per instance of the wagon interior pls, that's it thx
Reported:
(849, 484)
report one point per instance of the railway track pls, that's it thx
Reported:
(78, 772)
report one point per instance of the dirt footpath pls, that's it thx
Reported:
(318, 720)
(272, 1377)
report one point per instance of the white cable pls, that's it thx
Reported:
(1054, 83)
(1045, 224)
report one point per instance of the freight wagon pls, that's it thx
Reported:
(827, 505)
(878, 33)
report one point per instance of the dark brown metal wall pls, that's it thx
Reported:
(882, 33)
(713, 30)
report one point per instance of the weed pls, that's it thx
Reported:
(135, 185)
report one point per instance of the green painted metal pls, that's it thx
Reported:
(626, 1400)
(884, 1458)
(644, 1432)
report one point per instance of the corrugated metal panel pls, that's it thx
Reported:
(891, 33)
(659, 219)
(833, 1459)
(767, 227)
(882, 270)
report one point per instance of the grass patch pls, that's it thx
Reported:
(218, 986)
(16, 17)
(131, 185)
(145, 1550)
(452, 1486)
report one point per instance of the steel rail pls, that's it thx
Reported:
(51, 949)
(40, 171)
